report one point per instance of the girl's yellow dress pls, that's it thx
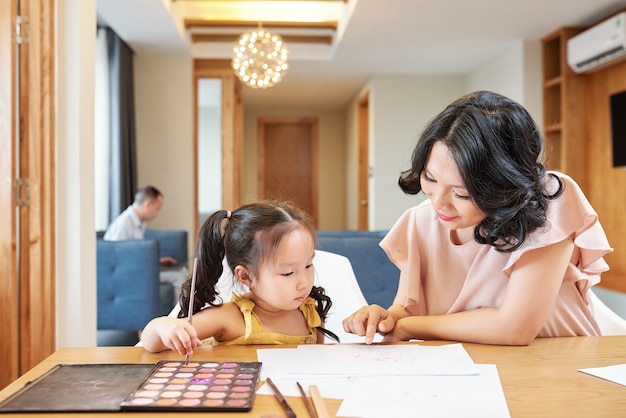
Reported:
(254, 333)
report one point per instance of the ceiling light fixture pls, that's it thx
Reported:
(260, 58)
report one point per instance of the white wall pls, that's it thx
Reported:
(164, 129)
(75, 231)
(515, 73)
(533, 81)
(502, 74)
(400, 107)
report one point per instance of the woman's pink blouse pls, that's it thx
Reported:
(438, 277)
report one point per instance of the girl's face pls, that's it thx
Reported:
(442, 182)
(286, 283)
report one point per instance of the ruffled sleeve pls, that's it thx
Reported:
(572, 215)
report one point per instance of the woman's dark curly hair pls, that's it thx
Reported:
(249, 238)
(497, 148)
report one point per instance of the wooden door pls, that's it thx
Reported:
(364, 164)
(9, 347)
(287, 151)
(27, 144)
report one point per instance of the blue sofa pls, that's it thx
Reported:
(377, 276)
(129, 289)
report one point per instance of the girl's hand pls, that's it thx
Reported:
(368, 320)
(179, 335)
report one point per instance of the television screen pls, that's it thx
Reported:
(618, 128)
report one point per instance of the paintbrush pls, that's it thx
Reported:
(192, 294)
(281, 399)
(305, 399)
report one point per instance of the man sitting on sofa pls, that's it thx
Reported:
(131, 224)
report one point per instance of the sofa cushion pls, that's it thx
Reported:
(127, 283)
(172, 243)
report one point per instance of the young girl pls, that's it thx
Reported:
(269, 247)
(502, 251)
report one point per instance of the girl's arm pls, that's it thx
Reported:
(223, 322)
(165, 333)
(533, 287)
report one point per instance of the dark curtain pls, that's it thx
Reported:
(123, 163)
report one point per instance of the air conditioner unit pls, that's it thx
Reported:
(598, 47)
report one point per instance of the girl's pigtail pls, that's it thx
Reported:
(322, 306)
(210, 253)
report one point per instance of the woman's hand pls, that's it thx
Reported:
(368, 320)
(399, 332)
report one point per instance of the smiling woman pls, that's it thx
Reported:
(500, 241)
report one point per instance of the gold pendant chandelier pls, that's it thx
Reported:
(260, 58)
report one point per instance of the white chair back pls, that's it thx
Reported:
(610, 323)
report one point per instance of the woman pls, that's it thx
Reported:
(502, 252)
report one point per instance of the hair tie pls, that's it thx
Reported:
(228, 214)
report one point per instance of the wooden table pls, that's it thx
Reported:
(540, 380)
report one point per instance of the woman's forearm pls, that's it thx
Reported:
(484, 326)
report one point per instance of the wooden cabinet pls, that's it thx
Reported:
(576, 123)
(563, 109)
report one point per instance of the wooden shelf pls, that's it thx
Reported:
(555, 128)
(553, 82)
(563, 108)
(578, 140)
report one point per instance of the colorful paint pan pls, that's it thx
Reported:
(197, 386)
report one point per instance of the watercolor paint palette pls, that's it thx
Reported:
(197, 386)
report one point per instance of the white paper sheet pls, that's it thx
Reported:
(365, 360)
(615, 374)
(426, 396)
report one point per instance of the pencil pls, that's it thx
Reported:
(281, 399)
(305, 399)
(318, 402)
(191, 297)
